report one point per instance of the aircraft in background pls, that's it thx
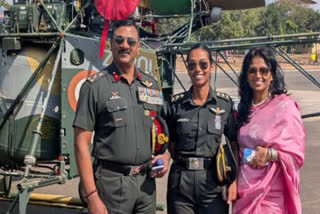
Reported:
(47, 50)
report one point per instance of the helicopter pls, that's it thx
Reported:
(48, 49)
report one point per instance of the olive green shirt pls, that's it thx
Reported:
(122, 124)
(197, 130)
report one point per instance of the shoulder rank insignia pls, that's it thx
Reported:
(94, 77)
(177, 97)
(223, 96)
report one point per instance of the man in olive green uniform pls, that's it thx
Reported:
(195, 135)
(118, 104)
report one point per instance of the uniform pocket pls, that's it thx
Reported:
(109, 185)
(186, 132)
(150, 107)
(214, 128)
(116, 104)
(208, 188)
(117, 109)
(186, 129)
(174, 177)
(214, 136)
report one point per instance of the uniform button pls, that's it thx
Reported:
(200, 129)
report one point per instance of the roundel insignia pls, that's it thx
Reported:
(75, 85)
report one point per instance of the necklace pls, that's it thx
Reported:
(261, 102)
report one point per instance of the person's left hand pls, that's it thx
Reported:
(232, 192)
(260, 159)
(166, 159)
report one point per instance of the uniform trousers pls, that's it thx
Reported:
(194, 192)
(126, 194)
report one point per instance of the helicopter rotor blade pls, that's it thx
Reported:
(236, 4)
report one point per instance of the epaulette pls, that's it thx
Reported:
(224, 96)
(95, 77)
(177, 97)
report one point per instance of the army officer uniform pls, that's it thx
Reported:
(121, 116)
(196, 132)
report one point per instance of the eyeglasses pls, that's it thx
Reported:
(192, 65)
(263, 70)
(120, 39)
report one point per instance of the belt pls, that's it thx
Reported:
(194, 163)
(126, 169)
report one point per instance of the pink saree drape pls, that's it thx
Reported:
(275, 188)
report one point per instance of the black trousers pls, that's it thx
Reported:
(124, 194)
(194, 192)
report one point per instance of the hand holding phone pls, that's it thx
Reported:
(248, 154)
(158, 165)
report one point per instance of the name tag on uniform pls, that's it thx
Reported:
(183, 120)
(151, 96)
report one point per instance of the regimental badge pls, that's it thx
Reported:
(114, 95)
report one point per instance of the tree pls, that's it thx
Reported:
(278, 18)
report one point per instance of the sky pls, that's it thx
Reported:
(315, 7)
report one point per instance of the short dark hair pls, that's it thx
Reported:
(123, 22)
(203, 47)
(277, 85)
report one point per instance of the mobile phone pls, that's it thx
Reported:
(158, 165)
(248, 154)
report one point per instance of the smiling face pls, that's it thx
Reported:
(259, 77)
(199, 67)
(125, 45)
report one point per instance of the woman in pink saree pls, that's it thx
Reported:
(269, 123)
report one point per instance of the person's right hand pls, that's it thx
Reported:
(95, 205)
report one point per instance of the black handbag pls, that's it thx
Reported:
(226, 165)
